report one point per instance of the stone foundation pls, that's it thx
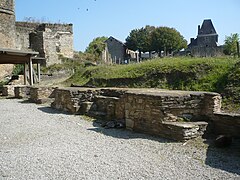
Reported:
(178, 115)
(22, 92)
(8, 90)
(42, 95)
(70, 99)
(226, 124)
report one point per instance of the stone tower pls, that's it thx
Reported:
(7, 32)
(7, 24)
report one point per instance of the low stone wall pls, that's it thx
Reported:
(69, 99)
(178, 115)
(158, 112)
(22, 92)
(41, 95)
(8, 90)
(226, 124)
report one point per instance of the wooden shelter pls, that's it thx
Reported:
(28, 58)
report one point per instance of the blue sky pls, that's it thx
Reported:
(94, 18)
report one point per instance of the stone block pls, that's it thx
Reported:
(22, 91)
(41, 95)
(8, 90)
(85, 107)
(129, 124)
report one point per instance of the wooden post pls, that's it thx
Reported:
(25, 73)
(238, 53)
(137, 57)
(38, 72)
(30, 72)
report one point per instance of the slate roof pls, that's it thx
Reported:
(114, 39)
(207, 28)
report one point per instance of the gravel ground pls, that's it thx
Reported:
(38, 142)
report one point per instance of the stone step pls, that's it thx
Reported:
(106, 98)
(182, 131)
(97, 114)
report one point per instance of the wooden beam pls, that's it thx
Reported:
(30, 71)
(25, 73)
(13, 59)
(38, 72)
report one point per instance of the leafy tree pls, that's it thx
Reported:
(230, 46)
(157, 39)
(95, 48)
(139, 39)
(167, 39)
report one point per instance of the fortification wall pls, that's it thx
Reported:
(7, 32)
(7, 5)
(206, 51)
(50, 40)
(57, 43)
(7, 24)
(23, 30)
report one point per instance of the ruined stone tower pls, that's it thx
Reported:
(52, 41)
(7, 32)
(7, 24)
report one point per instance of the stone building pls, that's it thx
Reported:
(50, 40)
(116, 52)
(206, 43)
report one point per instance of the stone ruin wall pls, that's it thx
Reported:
(178, 115)
(7, 24)
(157, 112)
(7, 32)
(57, 41)
(50, 40)
(22, 34)
(206, 51)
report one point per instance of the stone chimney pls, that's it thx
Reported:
(191, 40)
(199, 27)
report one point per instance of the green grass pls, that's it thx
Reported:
(201, 74)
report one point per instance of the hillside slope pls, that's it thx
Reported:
(199, 74)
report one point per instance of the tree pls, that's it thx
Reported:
(139, 39)
(167, 39)
(96, 47)
(230, 46)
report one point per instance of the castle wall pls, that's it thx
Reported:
(50, 40)
(23, 29)
(7, 24)
(7, 32)
(207, 41)
(197, 51)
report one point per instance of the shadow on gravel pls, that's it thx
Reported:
(50, 110)
(26, 101)
(126, 134)
(226, 159)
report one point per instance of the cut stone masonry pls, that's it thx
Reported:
(178, 115)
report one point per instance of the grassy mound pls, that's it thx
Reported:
(199, 74)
